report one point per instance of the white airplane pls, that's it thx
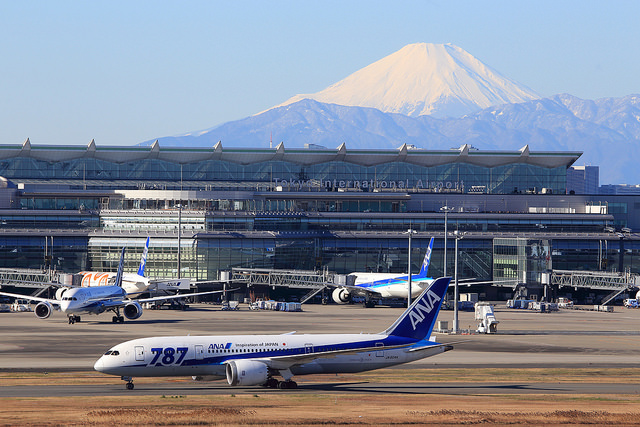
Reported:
(96, 300)
(385, 285)
(248, 360)
(132, 283)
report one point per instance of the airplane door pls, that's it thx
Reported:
(139, 350)
(380, 349)
(199, 352)
(308, 348)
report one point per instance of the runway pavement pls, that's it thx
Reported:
(221, 388)
(568, 338)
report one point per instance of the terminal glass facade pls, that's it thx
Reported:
(298, 175)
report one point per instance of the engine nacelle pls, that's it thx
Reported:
(60, 292)
(341, 295)
(43, 310)
(246, 372)
(132, 311)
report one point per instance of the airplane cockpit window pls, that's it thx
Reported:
(112, 353)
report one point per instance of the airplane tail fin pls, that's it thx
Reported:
(118, 281)
(427, 259)
(143, 260)
(418, 320)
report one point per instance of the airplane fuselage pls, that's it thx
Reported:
(89, 300)
(206, 356)
(133, 284)
(392, 285)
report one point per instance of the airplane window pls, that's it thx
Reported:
(115, 353)
(107, 353)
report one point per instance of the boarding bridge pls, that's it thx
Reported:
(617, 283)
(314, 281)
(29, 278)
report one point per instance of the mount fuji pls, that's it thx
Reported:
(440, 80)
(437, 97)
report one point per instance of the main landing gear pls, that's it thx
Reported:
(129, 381)
(117, 318)
(274, 383)
(73, 319)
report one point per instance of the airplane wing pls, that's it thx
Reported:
(168, 297)
(468, 282)
(107, 304)
(30, 298)
(359, 290)
(287, 361)
(446, 346)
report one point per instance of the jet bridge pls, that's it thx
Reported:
(40, 280)
(314, 281)
(617, 283)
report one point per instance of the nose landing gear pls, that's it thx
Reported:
(129, 381)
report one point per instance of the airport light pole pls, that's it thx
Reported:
(410, 232)
(446, 210)
(179, 236)
(457, 235)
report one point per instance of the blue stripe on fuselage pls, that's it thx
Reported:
(220, 358)
(393, 281)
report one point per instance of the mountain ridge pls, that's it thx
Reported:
(606, 129)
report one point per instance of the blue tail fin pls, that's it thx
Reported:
(427, 259)
(120, 270)
(143, 260)
(418, 320)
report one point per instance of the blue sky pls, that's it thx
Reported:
(122, 72)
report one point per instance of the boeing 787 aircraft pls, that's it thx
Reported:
(249, 360)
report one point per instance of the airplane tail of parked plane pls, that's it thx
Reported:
(427, 259)
(418, 320)
(118, 281)
(143, 260)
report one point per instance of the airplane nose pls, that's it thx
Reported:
(99, 365)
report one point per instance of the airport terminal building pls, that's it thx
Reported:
(208, 210)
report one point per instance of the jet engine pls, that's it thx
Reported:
(341, 295)
(60, 292)
(246, 372)
(43, 310)
(132, 310)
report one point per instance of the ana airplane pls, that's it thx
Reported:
(132, 283)
(96, 300)
(248, 360)
(385, 285)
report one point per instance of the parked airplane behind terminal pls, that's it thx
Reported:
(248, 360)
(385, 285)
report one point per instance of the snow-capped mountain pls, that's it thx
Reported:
(441, 80)
(507, 116)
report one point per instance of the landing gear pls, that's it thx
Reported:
(271, 383)
(117, 319)
(369, 303)
(274, 383)
(74, 319)
(287, 384)
(129, 381)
